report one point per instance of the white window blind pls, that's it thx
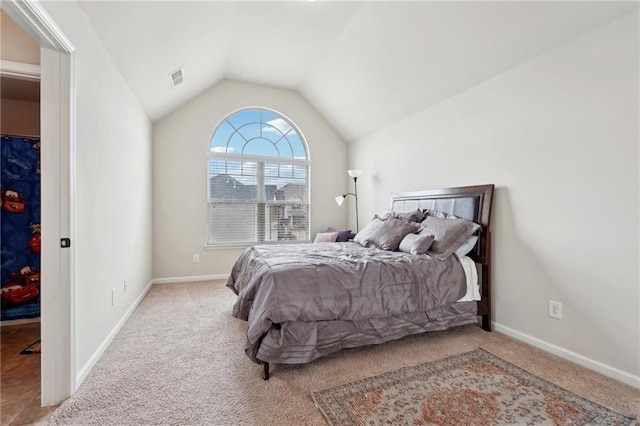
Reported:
(258, 182)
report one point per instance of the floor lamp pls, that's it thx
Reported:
(355, 174)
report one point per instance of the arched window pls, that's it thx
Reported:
(258, 177)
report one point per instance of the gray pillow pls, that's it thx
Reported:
(343, 234)
(416, 243)
(467, 246)
(449, 234)
(392, 231)
(414, 216)
(326, 237)
(441, 215)
(365, 235)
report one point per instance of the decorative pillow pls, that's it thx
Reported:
(366, 234)
(467, 246)
(414, 216)
(343, 234)
(326, 237)
(449, 234)
(439, 214)
(391, 232)
(416, 243)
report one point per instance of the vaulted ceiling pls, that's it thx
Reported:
(362, 65)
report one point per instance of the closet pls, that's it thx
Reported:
(19, 200)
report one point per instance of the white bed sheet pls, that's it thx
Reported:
(471, 273)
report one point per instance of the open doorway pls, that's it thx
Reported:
(20, 216)
(57, 115)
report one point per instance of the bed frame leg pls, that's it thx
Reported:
(486, 323)
(265, 374)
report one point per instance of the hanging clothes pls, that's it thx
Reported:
(20, 227)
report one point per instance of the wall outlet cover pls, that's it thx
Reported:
(555, 309)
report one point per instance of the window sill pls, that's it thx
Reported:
(243, 246)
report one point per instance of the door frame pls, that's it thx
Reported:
(57, 124)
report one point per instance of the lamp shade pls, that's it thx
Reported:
(354, 173)
(339, 200)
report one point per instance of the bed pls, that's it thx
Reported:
(305, 301)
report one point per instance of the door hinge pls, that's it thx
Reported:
(65, 242)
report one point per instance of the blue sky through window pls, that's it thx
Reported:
(258, 132)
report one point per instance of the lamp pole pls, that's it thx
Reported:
(355, 190)
(340, 199)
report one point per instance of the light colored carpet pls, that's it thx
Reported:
(180, 360)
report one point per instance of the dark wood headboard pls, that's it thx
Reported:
(468, 202)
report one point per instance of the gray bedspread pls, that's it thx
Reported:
(304, 301)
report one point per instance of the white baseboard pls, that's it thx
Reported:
(84, 371)
(589, 363)
(174, 280)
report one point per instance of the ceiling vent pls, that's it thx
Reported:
(176, 77)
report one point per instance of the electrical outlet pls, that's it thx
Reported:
(555, 309)
(196, 258)
(113, 296)
(124, 286)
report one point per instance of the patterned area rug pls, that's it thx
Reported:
(474, 388)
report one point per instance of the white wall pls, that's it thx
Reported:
(180, 146)
(19, 117)
(558, 136)
(113, 188)
(15, 44)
